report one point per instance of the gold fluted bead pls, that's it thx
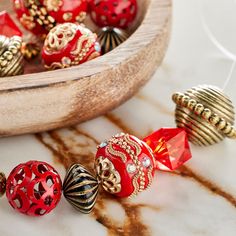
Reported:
(2, 184)
(110, 38)
(206, 113)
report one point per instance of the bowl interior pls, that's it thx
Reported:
(36, 65)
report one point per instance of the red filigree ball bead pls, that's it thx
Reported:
(118, 13)
(34, 188)
(124, 165)
(42, 15)
(69, 44)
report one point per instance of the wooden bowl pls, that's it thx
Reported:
(47, 100)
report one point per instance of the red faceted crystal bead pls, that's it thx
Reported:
(124, 165)
(7, 26)
(118, 13)
(34, 188)
(170, 147)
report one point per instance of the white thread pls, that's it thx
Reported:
(218, 45)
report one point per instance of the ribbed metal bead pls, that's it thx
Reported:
(2, 184)
(80, 188)
(111, 38)
(206, 113)
(11, 58)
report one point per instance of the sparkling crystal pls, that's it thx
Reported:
(131, 168)
(170, 147)
(146, 162)
(7, 26)
(103, 144)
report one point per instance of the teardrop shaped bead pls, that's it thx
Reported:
(80, 188)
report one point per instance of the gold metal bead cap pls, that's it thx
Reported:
(206, 113)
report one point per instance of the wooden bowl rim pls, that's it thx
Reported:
(124, 52)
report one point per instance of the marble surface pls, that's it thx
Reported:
(200, 199)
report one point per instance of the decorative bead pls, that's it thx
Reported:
(30, 50)
(2, 184)
(117, 13)
(34, 188)
(40, 16)
(111, 38)
(69, 44)
(7, 26)
(80, 188)
(121, 165)
(170, 148)
(209, 116)
(11, 58)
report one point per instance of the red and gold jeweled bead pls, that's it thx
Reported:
(118, 13)
(34, 188)
(124, 165)
(39, 16)
(69, 44)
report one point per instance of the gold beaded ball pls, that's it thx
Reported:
(206, 113)
(11, 58)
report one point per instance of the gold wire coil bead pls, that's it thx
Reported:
(206, 113)
(11, 58)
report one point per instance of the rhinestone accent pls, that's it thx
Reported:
(131, 168)
(146, 162)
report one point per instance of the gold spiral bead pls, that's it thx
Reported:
(11, 58)
(206, 113)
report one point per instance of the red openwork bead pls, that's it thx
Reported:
(124, 165)
(33, 188)
(69, 44)
(170, 147)
(42, 15)
(116, 13)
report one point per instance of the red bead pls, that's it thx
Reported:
(67, 10)
(117, 13)
(124, 165)
(7, 26)
(69, 44)
(170, 147)
(42, 15)
(34, 188)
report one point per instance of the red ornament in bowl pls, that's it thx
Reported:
(40, 16)
(113, 13)
(34, 188)
(69, 44)
(124, 165)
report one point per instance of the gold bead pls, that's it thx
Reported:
(2, 184)
(191, 104)
(208, 116)
(30, 50)
(11, 59)
(199, 108)
(184, 101)
(214, 119)
(110, 38)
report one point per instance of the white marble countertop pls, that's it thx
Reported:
(201, 201)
